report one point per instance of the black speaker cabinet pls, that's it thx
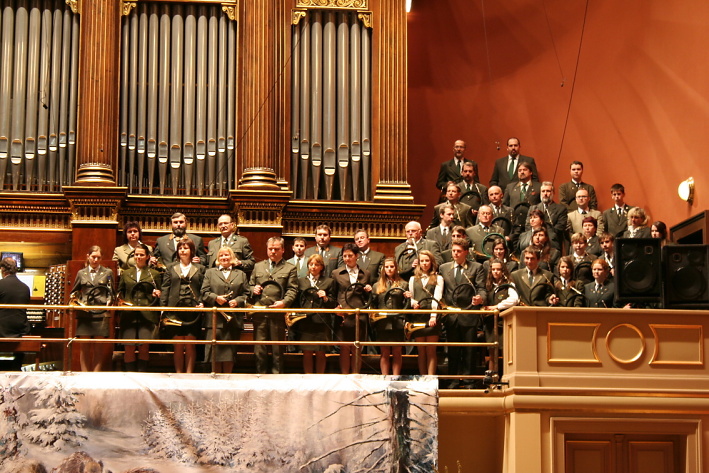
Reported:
(638, 270)
(686, 271)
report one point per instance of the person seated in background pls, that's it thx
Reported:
(567, 291)
(406, 253)
(575, 217)
(477, 233)
(368, 259)
(589, 228)
(501, 252)
(534, 285)
(537, 220)
(239, 245)
(166, 246)
(555, 215)
(607, 242)
(568, 190)
(472, 193)
(659, 230)
(13, 322)
(299, 260)
(462, 213)
(548, 255)
(637, 224)
(331, 254)
(132, 238)
(442, 233)
(600, 292)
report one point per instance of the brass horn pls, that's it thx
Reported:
(411, 327)
(292, 318)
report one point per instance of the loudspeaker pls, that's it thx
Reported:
(638, 270)
(686, 271)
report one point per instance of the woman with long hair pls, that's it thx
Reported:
(426, 283)
(501, 252)
(316, 326)
(224, 286)
(93, 286)
(391, 327)
(567, 291)
(141, 324)
(659, 230)
(501, 295)
(548, 254)
(181, 286)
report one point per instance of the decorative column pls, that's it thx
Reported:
(259, 132)
(390, 136)
(97, 127)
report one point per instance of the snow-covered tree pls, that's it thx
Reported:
(12, 421)
(56, 422)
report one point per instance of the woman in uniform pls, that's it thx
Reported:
(181, 286)
(391, 327)
(139, 323)
(224, 286)
(93, 286)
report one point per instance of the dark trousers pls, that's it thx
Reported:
(269, 327)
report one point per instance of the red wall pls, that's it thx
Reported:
(638, 103)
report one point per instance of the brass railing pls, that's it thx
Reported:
(215, 314)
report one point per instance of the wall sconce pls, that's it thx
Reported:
(685, 190)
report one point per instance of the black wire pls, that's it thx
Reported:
(571, 95)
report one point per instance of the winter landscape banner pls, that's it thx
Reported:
(168, 423)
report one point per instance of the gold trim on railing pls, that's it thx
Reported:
(334, 4)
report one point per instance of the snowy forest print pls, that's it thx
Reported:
(166, 423)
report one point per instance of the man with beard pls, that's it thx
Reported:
(472, 193)
(505, 170)
(555, 215)
(165, 246)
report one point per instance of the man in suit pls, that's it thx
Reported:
(406, 253)
(299, 260)
(616, 217)
(534, 285)
(477, 233)
(462, 327)
(332, 255)
(505, 170)
(524, 190)
(575, 217)
(567, 190)
(472, 193)
(240, 245)
(451, 170)
(13, 322)
(272, 326)
(462, 213)
(555, 215)
(495, 197)
(165, 245)
(368, 259)
(442, 233)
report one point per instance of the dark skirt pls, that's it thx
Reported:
(346, 331)
(224, 353)
(315, 328)
(92, 325)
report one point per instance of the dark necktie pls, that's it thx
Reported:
(458, 274)
(523, 193)
(511, 168)
(530, 278)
